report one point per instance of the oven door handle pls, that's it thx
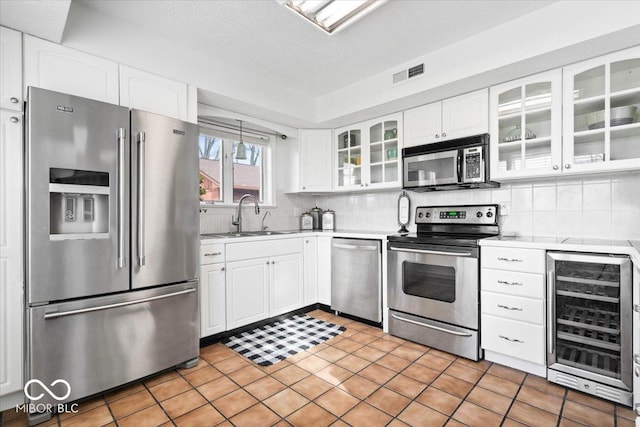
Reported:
(404, 319)
(427, 252)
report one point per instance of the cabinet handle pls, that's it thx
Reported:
(555, 167)
(511, 339)
(267, 262)
(13, 100)
(306, 241)
(636, 307)
(509, 259)
(444, 134)
(13, 119)
(503, 282)
(273, 262)
(437, 135)
(213, 254)
(509, 308)
(367, 184)
(221, 268)
(567, 166)
(304, 188)
(636, 358)
(637, 371)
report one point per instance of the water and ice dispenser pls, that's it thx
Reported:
(79, 204)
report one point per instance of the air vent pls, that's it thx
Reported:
(410, 73)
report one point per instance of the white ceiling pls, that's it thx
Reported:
(267, 40)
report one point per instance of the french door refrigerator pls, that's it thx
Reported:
(112, 245)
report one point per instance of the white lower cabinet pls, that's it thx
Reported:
(247, 291)
(212, 290)
(285, 284)
(512, 306)
(263, 279)
(11, 265)
(212, 299)
(324, 270)
(310, 270)
(636, 342)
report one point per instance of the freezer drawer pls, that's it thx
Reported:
(100, 343)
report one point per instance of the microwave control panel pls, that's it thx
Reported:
(473, 165)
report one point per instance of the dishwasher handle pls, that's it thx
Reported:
(356, 247)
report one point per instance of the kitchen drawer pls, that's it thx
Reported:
(516, 308)
(210, 254)
(514, 259)
(513, 283)
(263, 248)
(512, 338)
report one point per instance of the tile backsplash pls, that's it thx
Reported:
(600, 206)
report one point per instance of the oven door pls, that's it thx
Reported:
(434, 282)
(432, 169)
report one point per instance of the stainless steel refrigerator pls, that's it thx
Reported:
(112, 244)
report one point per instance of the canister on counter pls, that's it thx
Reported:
(329, 220)
(306, 221)
(316, 214)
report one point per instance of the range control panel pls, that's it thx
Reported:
(469, 214)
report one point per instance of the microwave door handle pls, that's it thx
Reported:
(459, 166)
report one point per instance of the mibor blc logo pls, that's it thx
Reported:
(35, 390)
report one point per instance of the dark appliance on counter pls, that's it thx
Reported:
(434, 277)
(449, 165)
(112, 244)
(589, 312)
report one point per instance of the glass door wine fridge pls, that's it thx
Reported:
(589, 335)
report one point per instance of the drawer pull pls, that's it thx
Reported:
(502, 282)
(509, 259)
(213, 254)
(509, 308)
(636, 358)
(511, 339)
(636, 307)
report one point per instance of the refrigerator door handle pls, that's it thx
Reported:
(122, 136)
(140, 213)
(120, 304)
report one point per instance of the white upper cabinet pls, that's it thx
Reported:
(10, 69)
(452, 118)
(153, 93)
(534, 104)
(601, 121)
(316, 174)
(368, 154)
(58, 68)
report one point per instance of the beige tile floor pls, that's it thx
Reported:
(362, 377)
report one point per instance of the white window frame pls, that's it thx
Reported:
(268, 164)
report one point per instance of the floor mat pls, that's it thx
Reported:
(276, 341)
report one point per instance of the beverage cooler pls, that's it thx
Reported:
(590, 324)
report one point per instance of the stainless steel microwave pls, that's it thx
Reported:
(448, 165)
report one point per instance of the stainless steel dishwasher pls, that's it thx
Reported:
(356, 278)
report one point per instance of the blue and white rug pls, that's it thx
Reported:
(276, 341)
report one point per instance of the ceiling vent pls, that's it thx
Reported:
(404, 75)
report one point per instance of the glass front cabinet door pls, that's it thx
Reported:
(601, 117)
(384, 152)
(368, 154)
(526, 127)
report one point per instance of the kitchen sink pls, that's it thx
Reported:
(248, 233)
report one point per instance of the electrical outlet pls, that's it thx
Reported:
(504, 208)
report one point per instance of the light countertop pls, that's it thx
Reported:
(353, 234)
(572, 244)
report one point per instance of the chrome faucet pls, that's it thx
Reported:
(264, 227)
(238, 222)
